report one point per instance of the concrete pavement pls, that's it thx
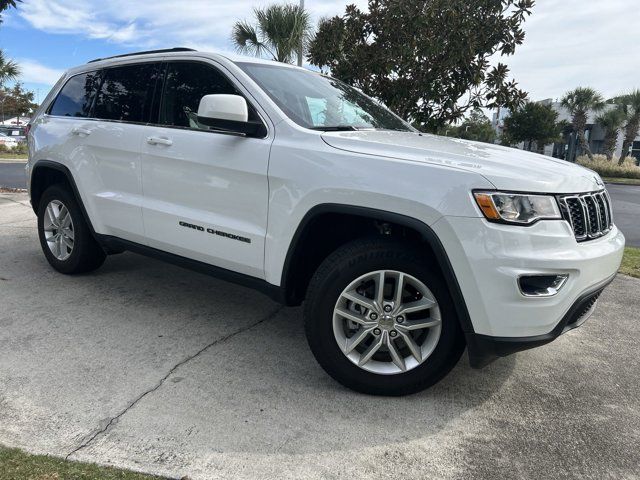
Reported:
(150, 367)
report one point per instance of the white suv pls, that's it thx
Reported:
(405, 247)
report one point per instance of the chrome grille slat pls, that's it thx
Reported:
(589, 214)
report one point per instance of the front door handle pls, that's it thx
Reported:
(159, 141)
(81, 131)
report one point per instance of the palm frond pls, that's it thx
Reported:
(245, 38)
(285, 26)
(9, 70)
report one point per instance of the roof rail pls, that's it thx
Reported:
(164, 50)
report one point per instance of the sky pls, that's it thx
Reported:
(569, 43)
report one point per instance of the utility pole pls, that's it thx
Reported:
(301, 50)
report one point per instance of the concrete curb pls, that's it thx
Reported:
(13, 160)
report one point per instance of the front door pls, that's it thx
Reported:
(205, 192)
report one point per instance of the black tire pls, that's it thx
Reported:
(334, 275)
(86, 255)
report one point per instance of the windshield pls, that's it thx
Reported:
(321, 103)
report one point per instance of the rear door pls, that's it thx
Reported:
(122, 109)
(205, 191)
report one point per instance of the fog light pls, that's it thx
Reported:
(541, 285)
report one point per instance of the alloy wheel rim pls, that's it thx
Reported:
(58, 230)
(387, 322)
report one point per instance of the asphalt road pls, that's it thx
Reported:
(12, 175)
(626, 211)
(626, 200)
(147, 366)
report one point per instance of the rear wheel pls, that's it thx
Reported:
(380, 320)
(65, 237)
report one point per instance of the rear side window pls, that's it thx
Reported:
(126, 93)
(76, 97)
(185, 85)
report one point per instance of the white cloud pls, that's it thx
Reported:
(34, 72)
(569, 42)
(572, 43)
(153, 24)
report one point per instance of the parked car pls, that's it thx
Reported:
(17, 133)
(7, 141)
(406, 248)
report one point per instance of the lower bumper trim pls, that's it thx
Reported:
(484, 349)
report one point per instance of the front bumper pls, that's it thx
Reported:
(484, 349)
(489, 258)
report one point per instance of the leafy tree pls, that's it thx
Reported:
(534, 122)
(476, 127)
(631, 106)
(278, 32)
(579, 102)
(17, 102)
(611, 121)
(428, 60)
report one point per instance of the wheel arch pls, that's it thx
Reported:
(45, 173)
(291, 286)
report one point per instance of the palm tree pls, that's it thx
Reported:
(279, 31)
(579, 102)
(631, 105)
(9, 71)
(612, 121)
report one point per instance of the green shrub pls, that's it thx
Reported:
(611, 169)
(21, 149)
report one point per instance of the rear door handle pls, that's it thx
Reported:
(81, 131)
(159, 141)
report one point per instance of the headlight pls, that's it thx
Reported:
(517, 208)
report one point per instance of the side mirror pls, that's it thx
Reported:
(229, 113)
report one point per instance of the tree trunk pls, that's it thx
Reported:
(584, 144)
(610, 142)
(631, 132)
(625, 150)
(580, 124)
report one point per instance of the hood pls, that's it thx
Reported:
(506, 168)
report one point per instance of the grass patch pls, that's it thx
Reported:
(631, 262)
(22, 156)
(611, 169)
(17, 465)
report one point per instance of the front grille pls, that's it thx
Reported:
(588, 213)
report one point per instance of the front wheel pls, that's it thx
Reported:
(379, 319)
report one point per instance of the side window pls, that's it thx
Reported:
(185, 85)
(76, 97)
(126, 93)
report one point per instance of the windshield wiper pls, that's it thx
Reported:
(337, 128)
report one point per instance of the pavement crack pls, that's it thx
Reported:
(218, 341)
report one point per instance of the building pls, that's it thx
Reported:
(569, 147)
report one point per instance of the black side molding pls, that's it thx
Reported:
(274, 292)
(484, 349)
(428, 235)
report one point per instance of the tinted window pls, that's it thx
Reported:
(76, 97)
(126, 93)
(185, 85)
